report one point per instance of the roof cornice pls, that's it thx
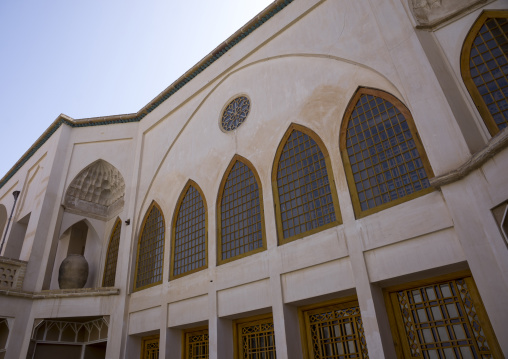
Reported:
(270, 11)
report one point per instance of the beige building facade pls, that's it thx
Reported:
(330, 182)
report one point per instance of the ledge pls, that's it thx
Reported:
(12, 261)
(495, 145)
(430, 17)
(62, 293)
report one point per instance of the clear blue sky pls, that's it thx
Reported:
(99, 57)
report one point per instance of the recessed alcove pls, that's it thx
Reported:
(91, 204)
(3, 220)
(97, 191)
(79, 238)
(16, 237)
(4, 336)
(79, 337)
(500, 214)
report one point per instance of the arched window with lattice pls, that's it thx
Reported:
(108, 280)
(484, 67)
(384, 159)
(150, 253)
(240, 220)
(303, 186)
(189, 243)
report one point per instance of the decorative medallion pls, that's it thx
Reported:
(235, 113)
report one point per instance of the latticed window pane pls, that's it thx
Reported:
(257, 340)
(151, 249)
(385, 162)
(336, 332)
(150, 348)
(112, 256)
(488, 63)
(241, 227)
(441, 321)
(303, 185)
(190, 234)
(196, 345)
(235, 113)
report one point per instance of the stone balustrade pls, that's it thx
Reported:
(12, 273)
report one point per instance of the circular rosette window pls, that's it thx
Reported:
(235, 113)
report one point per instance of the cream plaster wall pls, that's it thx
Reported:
(319, 280)
(303, 66)
(188, 311)
(145, 320)
(32, 184)
(450, 39)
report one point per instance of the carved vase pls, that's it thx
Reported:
(73, 272)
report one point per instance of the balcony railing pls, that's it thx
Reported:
(12, 273)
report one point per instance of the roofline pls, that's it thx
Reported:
(270, 11)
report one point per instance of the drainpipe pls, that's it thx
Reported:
(15, 194)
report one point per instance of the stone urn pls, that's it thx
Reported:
(73, 272)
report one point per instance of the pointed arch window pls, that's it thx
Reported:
(304, 191)
(484, 67)
(384, 160)
(108, 279)
(189, 245)
(240, 226)
(150, 254)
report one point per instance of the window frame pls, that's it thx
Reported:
(145, 341)
(247, 163)
(249, 321)
(275, 188)
(118, 222)
(226, 105)
(465, 70)
(173, 230)
(306, 338)
(396, 322)
(147, 213)
(347, 164)
(193, 331)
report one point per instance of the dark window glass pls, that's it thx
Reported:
(190, 234)
(241, 227)
(303, 185)
(387, 163)
(151, 249)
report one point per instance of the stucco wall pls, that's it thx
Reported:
(303, 66)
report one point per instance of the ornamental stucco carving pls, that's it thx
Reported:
(97, 191)
(431, 12)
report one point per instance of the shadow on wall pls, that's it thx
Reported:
(93, 198)
(81, 337)
(3, 220)
(500, 214)
(16, 238)
(96, 192)
(4, 335)
(80, 239)
(77, 242)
